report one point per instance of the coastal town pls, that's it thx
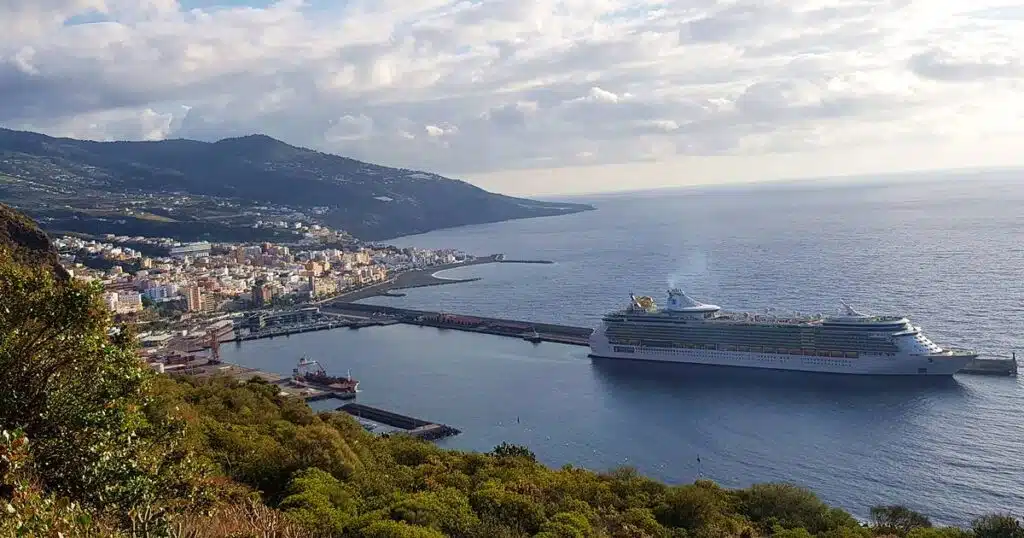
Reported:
(185, 298)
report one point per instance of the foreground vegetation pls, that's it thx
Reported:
(94, 444)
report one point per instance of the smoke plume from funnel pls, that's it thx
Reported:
(693, 267)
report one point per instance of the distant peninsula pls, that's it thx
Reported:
(221, 191)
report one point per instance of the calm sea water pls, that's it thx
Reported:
(946, 252)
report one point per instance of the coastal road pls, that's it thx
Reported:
(416, 278)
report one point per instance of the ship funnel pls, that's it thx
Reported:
(850, 311)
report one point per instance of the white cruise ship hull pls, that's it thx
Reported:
(897, 364)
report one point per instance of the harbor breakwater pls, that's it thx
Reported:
(533, 331)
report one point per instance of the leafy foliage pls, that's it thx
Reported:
(790, 507)
(998, 526)
(25, 509)
(366, 486)
(81, 396)
(507, 450)
(898, 519)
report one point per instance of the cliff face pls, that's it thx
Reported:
(27, 243)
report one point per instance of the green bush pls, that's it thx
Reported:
(73, 384)
(998, 526)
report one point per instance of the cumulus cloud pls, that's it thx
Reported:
(945, 65)
(471, 87)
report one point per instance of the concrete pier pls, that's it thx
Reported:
(534, 332)
(411, 426)
(319, 397)
(993, 367)
(310, 327)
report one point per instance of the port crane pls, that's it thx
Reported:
(306, 367)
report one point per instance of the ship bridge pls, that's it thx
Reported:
(681, 303)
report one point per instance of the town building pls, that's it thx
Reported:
(194, 298)
(191, 250)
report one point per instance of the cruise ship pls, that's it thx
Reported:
(686, 330)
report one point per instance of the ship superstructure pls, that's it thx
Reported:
(308, 372)
(686, 330)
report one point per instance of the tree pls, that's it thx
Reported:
(939, 532)
(399, 529)
(998, 526)
(27, 511)
(566, 525)
(446, 510)
(319, 502)
(898, 519)
(692, 506)
(507, 450)
(790, 506)
(511, 509)
(74, 385)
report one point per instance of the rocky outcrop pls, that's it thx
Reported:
(27, 243)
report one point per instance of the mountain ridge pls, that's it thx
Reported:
(66, 182)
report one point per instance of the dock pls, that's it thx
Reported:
(993, 367)
(531, 331)
(328, 395)
(412, 426)
(542, 262)
(311, 327)
(202, 368)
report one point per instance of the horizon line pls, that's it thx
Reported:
(901, 175)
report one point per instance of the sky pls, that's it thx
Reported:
(538, 96)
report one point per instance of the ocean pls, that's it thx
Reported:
(944, 251)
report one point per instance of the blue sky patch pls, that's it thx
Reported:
(86, 18)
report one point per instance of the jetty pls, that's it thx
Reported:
(409, 425)
(531, 331)
(327, 395)
(311, 327)
(994, 367)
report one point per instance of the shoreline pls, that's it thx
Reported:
(421, 278)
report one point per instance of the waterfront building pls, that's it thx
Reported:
(194, 298)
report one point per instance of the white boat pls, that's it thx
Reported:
(689, 331)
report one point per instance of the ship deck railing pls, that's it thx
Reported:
(748, 318)
(751, 322)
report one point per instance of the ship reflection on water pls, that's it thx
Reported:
(696, 380)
